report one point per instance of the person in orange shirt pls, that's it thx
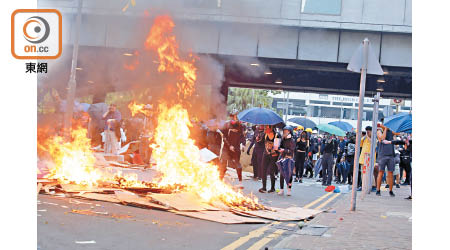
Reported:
(365, 153)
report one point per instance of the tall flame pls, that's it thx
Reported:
(176, 155)
(165, 44)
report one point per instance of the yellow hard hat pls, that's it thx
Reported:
(309, 130)
(300, 127)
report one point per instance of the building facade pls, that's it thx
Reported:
(324, 108)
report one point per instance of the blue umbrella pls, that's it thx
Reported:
(305, 122)
(399, 123)
(260, 116)
(347, 127)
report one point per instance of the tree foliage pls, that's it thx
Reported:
(244, 98)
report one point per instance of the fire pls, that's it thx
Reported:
(73, 160)
(74, 163)
(165, 44)
(138, 108)
(177, 157)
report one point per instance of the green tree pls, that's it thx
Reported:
(244, 98)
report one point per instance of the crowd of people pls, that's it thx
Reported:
(280, 152)
(291, 154)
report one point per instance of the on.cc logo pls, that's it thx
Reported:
(36, 29)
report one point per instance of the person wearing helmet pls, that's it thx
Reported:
(257, 155)
(286, 163)
(349, 156)
(234, 139)
(270, 155)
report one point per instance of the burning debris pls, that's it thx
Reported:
(177, 159)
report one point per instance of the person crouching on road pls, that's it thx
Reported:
(233, 137)
(270, 156)
(286, 162)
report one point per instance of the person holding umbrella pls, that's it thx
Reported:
(286, 162)
(270, 157)
(257, 155)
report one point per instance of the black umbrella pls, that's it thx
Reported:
(305, 122)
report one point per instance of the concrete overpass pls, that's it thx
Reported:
(305, 44)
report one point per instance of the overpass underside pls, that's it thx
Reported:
(316, 77)
(102, 69)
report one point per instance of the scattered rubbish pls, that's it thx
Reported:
(86, 242)
(39, 186)
(121, 216)
(344, 189)
(49, 203)
(228, 232)
(336, 190)
(330, 188)
(64, 206)
(313, 230)
(301, 224)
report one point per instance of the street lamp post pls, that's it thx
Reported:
(72, 81)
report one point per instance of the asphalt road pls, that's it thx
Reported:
(123, 227)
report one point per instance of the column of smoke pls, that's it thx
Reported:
(104, 70)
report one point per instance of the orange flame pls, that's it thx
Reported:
(138, 108)
(165, 44)
(73, 161)
(176, 155)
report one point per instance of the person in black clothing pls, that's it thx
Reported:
(349, 155)
(340, 153)
(257, 155)
(302, 146)
(287, 148)
(328, 146)
(270, 156)
(214, 140)
(233, 137)
(405, 162)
